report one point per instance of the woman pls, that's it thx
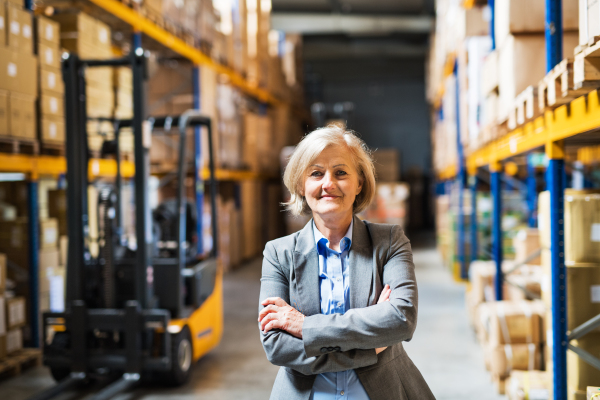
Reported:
(339, 297)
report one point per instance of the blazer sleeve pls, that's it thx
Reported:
(285, 350)
(379, 325)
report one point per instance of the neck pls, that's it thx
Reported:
(333, 228)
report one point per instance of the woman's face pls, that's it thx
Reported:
(332, 183)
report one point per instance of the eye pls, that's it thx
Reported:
(341, 172)
(316, 173)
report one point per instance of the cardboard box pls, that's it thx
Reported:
(49, 55)
(20, 32)
(14, 340)
(526, 242)
(521, 17)
(582, 227)
(589, 20)
(18, 72)
(49, 264)
(4, 113)
(524, 385)
(49, 233)
(2, 327)
(53, 129)
(514, 322)
(63, 246)
(510, 357)
(48, 31)
(521, 63)
(2, 277)
(3, 24)
(14, 242)
(532, 283)
(57, 208)
(593, 392)
(22, 116)
(387, 165)
(52, 105)
(51, 81)
(15, 312)
(583, 294)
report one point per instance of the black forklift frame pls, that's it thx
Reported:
(139, 314)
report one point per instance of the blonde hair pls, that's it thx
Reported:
(309, 149)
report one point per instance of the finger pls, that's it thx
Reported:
(268, 318)
(278, 301)
(385, 294)
(268, 309)
(275, 324)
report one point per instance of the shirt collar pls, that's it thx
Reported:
(322, 240)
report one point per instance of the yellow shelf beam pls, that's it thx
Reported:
(142, 24)
(98, 168)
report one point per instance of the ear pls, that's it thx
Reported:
(359, 188)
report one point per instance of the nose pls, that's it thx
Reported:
(328, 183)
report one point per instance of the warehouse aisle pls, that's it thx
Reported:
(444, 348)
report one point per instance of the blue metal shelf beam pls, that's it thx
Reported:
(554, 33)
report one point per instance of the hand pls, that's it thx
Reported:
(278, 314)
(385, 294)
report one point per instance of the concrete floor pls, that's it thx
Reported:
(443, 348)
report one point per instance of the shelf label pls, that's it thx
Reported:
(52, 130)
(595, 293)
(595, 234)
(95, 168)
(1, 22)
(51, 80)
(12, 69)
(26, 31)
(49, 32)
(49, 56)
(15, 28)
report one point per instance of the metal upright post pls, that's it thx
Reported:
(496, 171)
(492, 23)
(554, 33)
(34, 245)
(556, 185)
(198, 181)
(474, 238)
(460, 178)
(531, 193)
(144, 272)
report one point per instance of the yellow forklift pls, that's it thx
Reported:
(132, 311)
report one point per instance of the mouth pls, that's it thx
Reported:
(329, 197)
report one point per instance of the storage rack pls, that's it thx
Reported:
(34, 166)
(577, 124)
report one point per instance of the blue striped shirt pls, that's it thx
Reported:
(334, 281)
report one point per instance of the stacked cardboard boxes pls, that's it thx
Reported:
(90, 39)
(18, 76)
(52, 117)
(582, 259)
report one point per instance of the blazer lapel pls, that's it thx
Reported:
(361, 265)
(306, 271)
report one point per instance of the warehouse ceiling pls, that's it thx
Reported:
(342, 29)
(356, 6)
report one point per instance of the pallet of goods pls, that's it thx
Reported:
(18, 81)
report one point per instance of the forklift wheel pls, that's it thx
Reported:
(182, 353)
(60, 344)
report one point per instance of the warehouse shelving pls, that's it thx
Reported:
(575, 124)
(36, 166)
(143, 25)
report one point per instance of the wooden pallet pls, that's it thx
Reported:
(15, 363)
(52, 149)
(558, 87)
(524, 107)
(19, 145)
(586, 67)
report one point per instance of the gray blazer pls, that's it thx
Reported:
(380, 254)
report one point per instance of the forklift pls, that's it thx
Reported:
(151, 309)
